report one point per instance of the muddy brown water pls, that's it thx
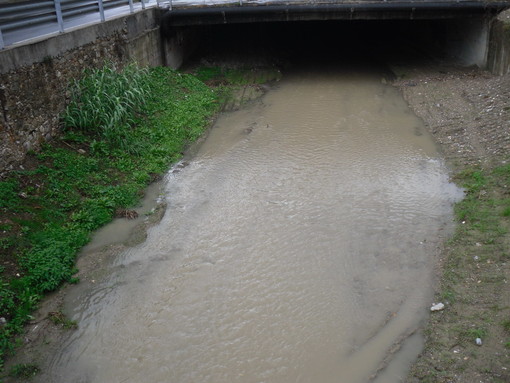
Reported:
(298, 246)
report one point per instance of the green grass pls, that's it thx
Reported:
(208, 73)
(238, 76)
(473, 333)
(506, 325)
(25, 371)
(58, 318)
(112, 147)
(480, 210)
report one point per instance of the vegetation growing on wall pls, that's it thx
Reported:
(120, 130)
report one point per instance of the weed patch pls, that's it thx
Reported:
(237, 76)
(105, 102)
(25, 371)
(506, 325)
(60, 319)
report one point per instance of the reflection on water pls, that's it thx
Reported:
(297, 246)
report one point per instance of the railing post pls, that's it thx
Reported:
(2, 45)
(101, 10)
(131, 9)
(60, 19)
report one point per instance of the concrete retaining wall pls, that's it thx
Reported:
(467, 41)
(498, 60)
(34, 77)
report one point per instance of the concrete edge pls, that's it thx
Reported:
(17, 56)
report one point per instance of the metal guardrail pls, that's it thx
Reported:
(22, 16)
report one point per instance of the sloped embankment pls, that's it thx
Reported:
(468, 112)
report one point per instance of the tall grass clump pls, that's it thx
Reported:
(105, 103)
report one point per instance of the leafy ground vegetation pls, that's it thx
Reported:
(120, 131)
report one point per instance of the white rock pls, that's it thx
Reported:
(478, 341)
(437, 307)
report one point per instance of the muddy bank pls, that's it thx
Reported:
(43, 334)
(468, 112)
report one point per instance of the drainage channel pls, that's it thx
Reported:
(298, 245)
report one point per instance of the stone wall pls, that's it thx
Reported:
(34, 77)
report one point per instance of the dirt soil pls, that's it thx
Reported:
(468, 113)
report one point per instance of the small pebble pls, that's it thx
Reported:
(478, 341)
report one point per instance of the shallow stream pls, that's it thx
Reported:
(298, 246)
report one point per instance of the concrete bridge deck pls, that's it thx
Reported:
(198, 12)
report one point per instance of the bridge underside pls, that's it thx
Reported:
(201, 13)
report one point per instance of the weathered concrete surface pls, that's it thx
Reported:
(177, 42)
(34, 77)
(498, 60)
(193, 12)
(468, 41)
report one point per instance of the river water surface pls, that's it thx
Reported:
(298, 246)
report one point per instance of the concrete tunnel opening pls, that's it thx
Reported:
(460, 41)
